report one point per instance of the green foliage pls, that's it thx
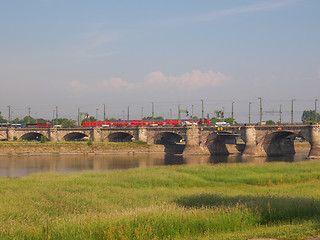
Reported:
(43, 139)
(270, 122)
(68, 123)
(214, 120)
(2, 120)
(90, 142)
(155, 118)
(15, 138)
(194, 118)
(28, 119)
(231, 121)
(140, 142)
(236, 201)
(308, 116)
(112, 119)
(89, 119)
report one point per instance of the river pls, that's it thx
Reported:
(23, 165)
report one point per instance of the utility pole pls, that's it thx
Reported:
(141, 113)
(29, 110)
(104, 112)
(179, 116)
(170, 113)
(260, 109)
(9, 118)
(128, 114)
(57, 112)
(97, 114)
(152, 112)
(202, 111)
(179, 113)
(249, 112)
(78, 117)
(222, 114)
(315, 110)
(280, 113)
(232, 112)
(52, 117)
(192, 111)
(292, 110)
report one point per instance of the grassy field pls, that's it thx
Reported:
(236, 201)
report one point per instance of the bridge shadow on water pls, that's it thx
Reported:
(178, 159)
(269, 209)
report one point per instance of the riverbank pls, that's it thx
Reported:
(236, 201)
(37, 148)
(49, 148)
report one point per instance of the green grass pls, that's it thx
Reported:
(236, 201)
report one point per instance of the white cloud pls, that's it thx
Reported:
(156, 83)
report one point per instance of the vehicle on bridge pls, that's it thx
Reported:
(149, 123)
(15, 125)
(38, 125)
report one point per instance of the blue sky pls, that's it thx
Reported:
(85, 54)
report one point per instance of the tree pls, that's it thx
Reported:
(155, 118)
(231, 121)
(308, 116)
(68, 123)
(2, 120)
(214, 120)
(270, 122)
(88, 119)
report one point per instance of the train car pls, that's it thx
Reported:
(38, 125)
(150, 123)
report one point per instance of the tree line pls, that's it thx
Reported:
(308, 116)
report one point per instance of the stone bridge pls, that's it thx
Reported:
(259, 140)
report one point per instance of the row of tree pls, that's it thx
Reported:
(308, 116)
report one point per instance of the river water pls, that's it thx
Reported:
(23, 165)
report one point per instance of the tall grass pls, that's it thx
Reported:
(279, 200)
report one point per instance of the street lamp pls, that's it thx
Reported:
(292, 110)
(202, 111)
(249, 112)
(232, 112)
(260, 109)
(315, 110)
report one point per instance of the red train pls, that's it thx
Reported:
(38, 125)
(149, 123)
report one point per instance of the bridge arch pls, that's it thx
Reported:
(2, 137)
(33, 136)
(76, 136)
(173, 142)
(120, 137)
(167, 138)
(216, 142)
(281, 142)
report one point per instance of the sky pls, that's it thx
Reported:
(129, 54)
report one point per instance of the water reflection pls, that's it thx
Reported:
(15, 166)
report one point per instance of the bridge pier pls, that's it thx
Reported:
(10, 133)
(253, 147)
(315, 141)
(193, 145)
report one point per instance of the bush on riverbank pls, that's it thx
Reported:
(237, 201)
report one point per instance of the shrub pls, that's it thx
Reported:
(90, 142)
(43, 139)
